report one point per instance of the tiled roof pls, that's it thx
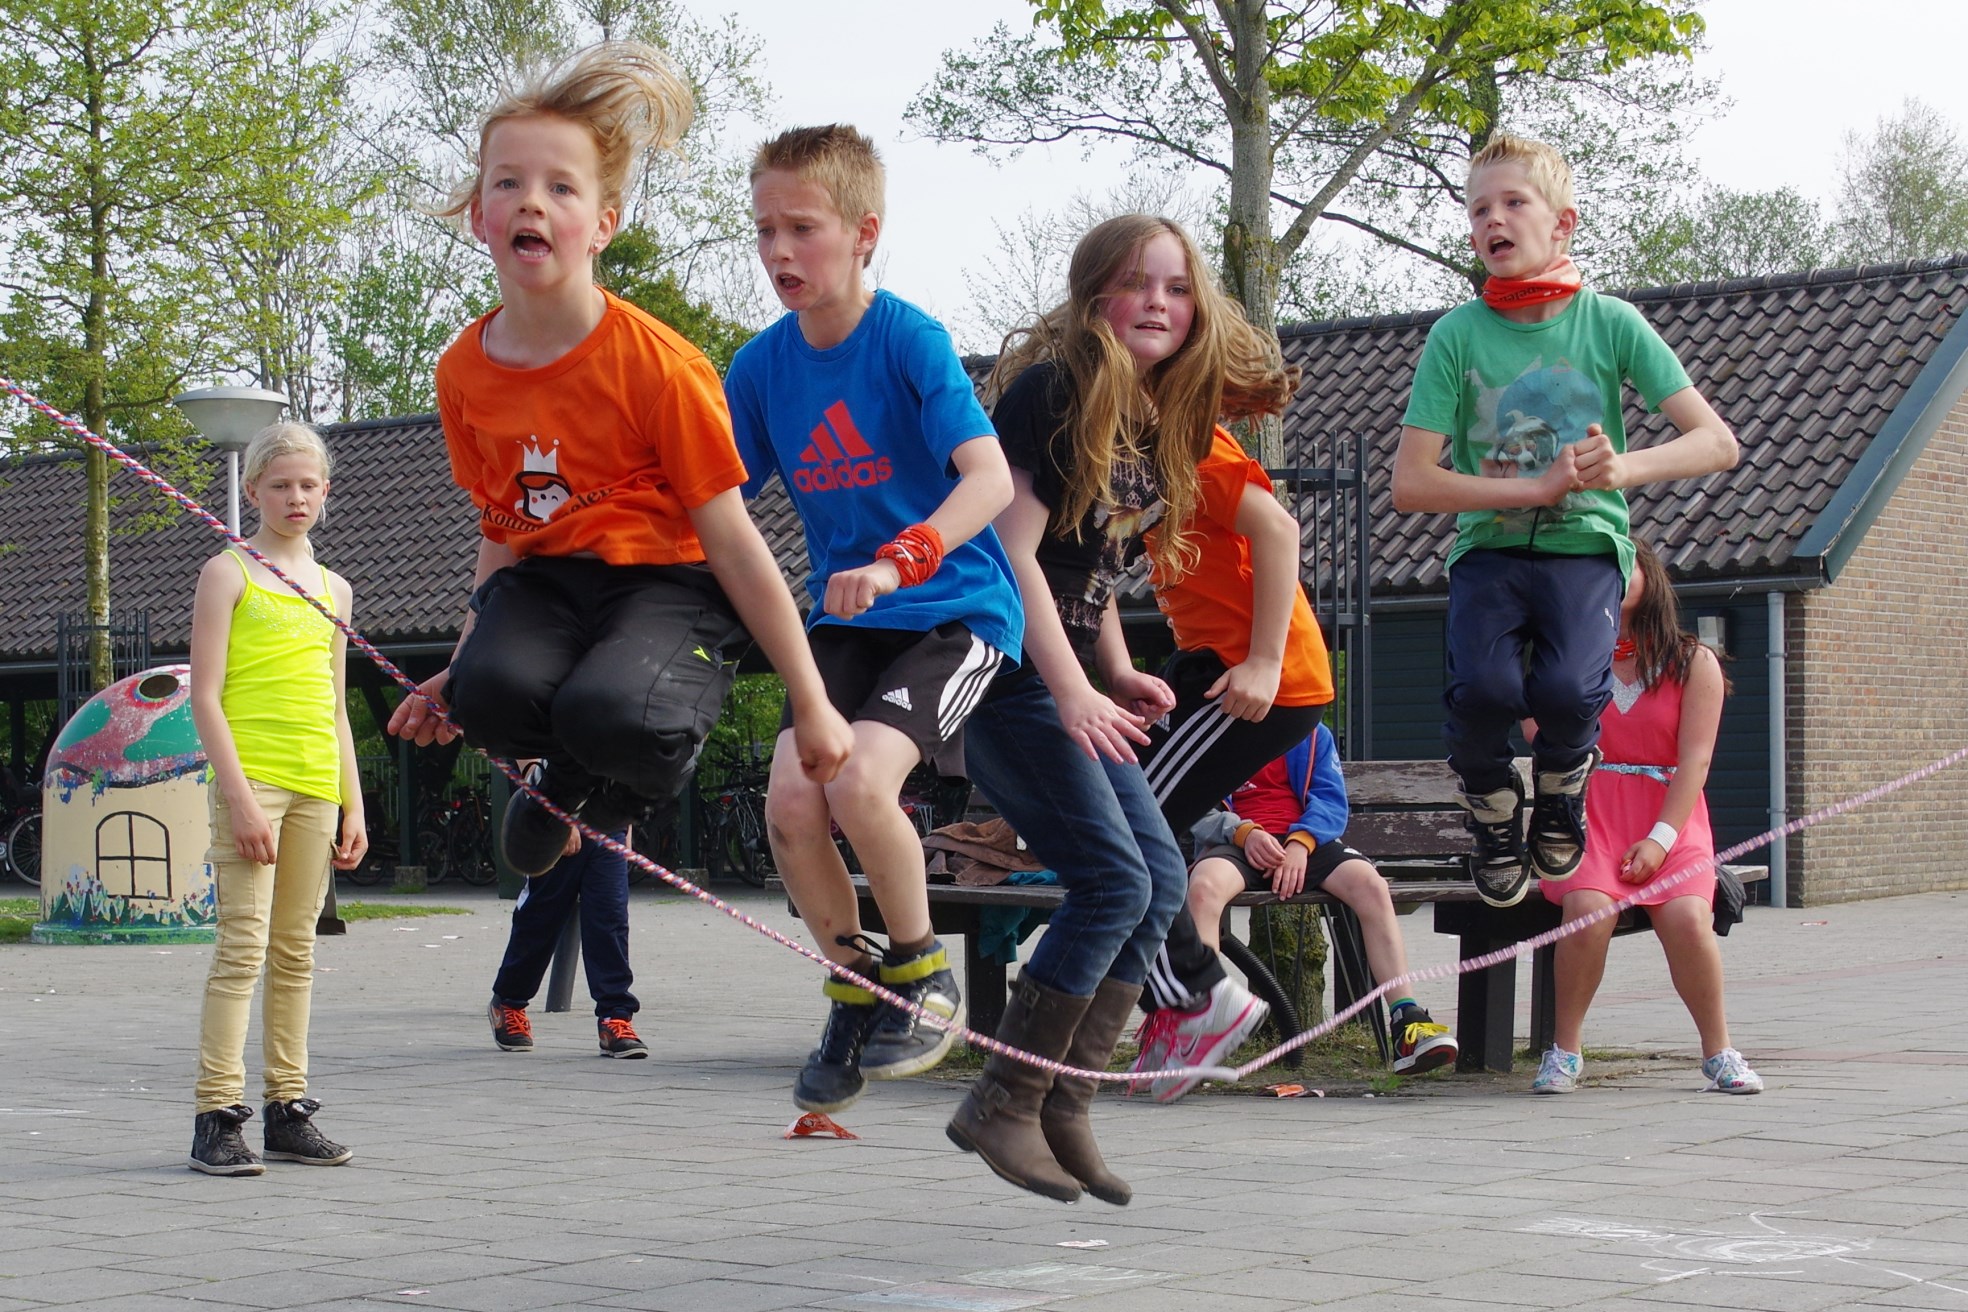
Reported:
(1806, 367)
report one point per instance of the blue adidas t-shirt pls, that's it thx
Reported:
(861, 434)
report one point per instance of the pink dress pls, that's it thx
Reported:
(1622, 805)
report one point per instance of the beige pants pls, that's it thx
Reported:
(267, 916)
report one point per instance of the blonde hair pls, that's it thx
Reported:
(284, 437)
(1224, 370)
(840, 159)
(1544, 168)
(628, 95)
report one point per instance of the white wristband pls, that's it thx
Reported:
(1664, 834)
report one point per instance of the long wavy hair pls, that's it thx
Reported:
(1224, 371)
(1662, 649)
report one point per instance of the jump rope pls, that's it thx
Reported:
(1392, 987)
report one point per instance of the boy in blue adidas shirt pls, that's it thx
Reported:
(858, 402)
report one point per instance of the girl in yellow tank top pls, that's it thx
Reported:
(267, 675)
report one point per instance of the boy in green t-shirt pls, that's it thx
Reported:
(1524, 385)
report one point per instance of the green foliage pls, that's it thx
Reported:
(393, 910)
(1904, 190)
(1296, 107)
(633, 268)
(1723, 234)
(746, 729)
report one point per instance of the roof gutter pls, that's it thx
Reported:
(1726, 589)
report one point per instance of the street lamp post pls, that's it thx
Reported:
(227, 417)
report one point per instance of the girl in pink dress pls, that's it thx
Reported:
(1646, 819)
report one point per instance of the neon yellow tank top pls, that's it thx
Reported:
(279, 696)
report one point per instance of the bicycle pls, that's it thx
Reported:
(23, 846)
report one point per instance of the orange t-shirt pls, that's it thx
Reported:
(1211, 605)
(602, 451)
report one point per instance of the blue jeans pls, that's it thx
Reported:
(600, 880)
(1094, 823)
(1563, 610)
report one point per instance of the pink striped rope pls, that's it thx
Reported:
(972, 1037)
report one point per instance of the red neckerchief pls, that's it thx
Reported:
(1555, 283)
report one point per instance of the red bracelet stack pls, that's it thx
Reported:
(917, 552)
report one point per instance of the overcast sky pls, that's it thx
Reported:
(1801, 73)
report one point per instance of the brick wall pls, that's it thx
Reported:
(1878, 685)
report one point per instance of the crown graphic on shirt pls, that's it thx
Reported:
(533, 460)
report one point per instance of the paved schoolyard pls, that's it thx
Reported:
(493, 1182)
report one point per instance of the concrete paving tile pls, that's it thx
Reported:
(505, 1294)
(46, 1258)
(714, 1296)
(77, 1285)
(434, 1267)
(634, 1272)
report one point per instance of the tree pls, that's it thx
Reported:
(1289, 104)
(1724, 234)
(633, 268)
(129, 132)
(1903, 192)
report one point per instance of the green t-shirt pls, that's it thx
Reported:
(1509, 396)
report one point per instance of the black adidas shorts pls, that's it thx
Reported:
(922, 684)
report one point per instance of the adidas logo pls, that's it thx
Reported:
(839, 456)
(900, 697)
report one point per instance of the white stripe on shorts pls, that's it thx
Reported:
(1191, 740)
(966, 687)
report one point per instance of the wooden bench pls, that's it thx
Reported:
(1404, 816)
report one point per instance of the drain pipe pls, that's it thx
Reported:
(1779, 802)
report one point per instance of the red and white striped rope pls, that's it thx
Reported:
(984, 1041)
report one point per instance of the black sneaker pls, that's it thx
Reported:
(1557, 841)
(1496, 862)
(618, 1039)
(217, 1146)
(1420, 1044)
(291, 1136)
(902, 1044)
(511, 1029)
(831, 1079)
(531, 839)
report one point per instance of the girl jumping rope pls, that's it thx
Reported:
(1107, 408)
(267, 697)
(1648, 818)
(618, 573)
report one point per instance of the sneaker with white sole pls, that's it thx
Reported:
(1727, 1072)
(1496, 862)
(1559, 1072)
(1203, 1037)
(1420, 1043)
(1556, 843)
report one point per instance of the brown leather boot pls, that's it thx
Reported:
(1063, 1117)
(999, 1120)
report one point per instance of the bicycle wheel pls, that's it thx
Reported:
(433, 854)
(24, 849)
(469, 849)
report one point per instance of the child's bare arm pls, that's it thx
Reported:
(1093, 720)
(1249, 688)
(353, 841)
(1704, 445)
(1421, 483)
(750, 577)
(983, 489)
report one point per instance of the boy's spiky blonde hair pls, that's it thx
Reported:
(1543, 166)
(628, 95)
(837, 157)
